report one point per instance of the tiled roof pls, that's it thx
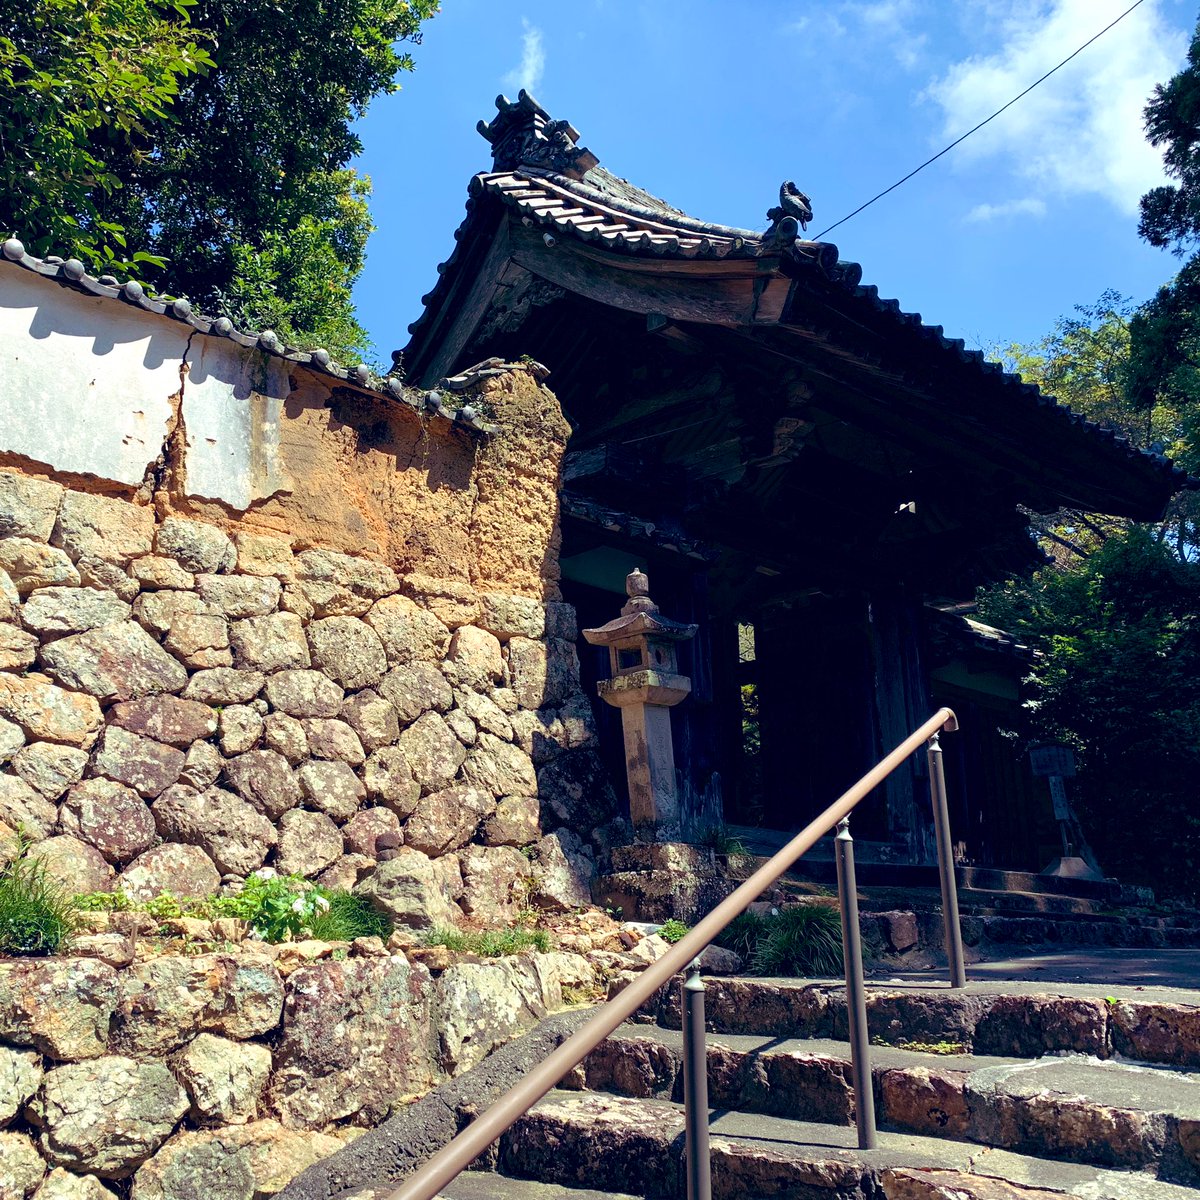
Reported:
(542, 180)
(953, 629)
(430, 404)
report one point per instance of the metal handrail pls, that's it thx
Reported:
(460, 1152)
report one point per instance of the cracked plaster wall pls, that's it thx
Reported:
(85, 384)
(105, 397)
(93, 388)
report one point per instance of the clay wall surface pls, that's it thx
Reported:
(118, 401)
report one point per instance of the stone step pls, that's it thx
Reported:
(1027, 921)
(486, 1185)
(636, 1147)
(1008, 1019)
(1112, 1114)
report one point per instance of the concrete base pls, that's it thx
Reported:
(1072, 868)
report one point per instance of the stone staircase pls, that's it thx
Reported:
(1003, 1091)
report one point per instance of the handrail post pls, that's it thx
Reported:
(945, 853)
(856, 994)
(695, 1087)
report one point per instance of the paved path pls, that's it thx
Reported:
(1101, 967)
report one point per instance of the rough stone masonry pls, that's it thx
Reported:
(210, 665)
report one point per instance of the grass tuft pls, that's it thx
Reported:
(489, 943)
(350, 916)
(36, 915)
(801, 940)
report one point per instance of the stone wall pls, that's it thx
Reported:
(179, 707)
(226, 1074)
(252, 619)
(186, 700)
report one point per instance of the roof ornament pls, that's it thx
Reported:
(523, 133)
(790, 215)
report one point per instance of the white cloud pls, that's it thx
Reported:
(890, 21)
(528, 73)
(1028, 207)
(1080, 132)
(885, 24)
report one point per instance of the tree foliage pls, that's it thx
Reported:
(238, 175)
(1170, 214)
(1119, 680)
(1088, 361)
(1116, 612)
(1165, 352)
(74, 77)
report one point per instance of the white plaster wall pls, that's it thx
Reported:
(86, 385)
(85, 382)
(232, 407)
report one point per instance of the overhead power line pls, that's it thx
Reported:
(981, 124)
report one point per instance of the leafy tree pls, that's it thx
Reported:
(242, 182)
(1171, 213)
(1088, 361)
(74, 76)
(1165, 352)
(1116, 615)
(1120, 681)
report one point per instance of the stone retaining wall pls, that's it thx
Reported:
(252, 619)
(225, 1074)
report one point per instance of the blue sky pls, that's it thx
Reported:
(712, 105)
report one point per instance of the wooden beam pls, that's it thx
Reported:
(718, 297)
(482, 289)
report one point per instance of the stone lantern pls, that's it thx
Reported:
(646, 683)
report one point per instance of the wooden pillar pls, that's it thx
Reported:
(901, 703)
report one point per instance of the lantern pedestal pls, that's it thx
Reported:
(645, 686)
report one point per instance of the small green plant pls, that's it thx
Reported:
(720, 840)
(672, 930)
(167, 907)
(103, 902)
(489, 943)
(800, 940)
(36, 915)
(278, 909)
(348, 917)
(943, 1049)
(743, 934)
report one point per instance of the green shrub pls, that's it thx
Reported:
(672, 931)
(801, 940)
(349, 916)
(743, 934)
(277, 909)
(490, 943)
(36, 915)
(805, 939)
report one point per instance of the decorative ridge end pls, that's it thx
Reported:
(522, 133)
(790, 215)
